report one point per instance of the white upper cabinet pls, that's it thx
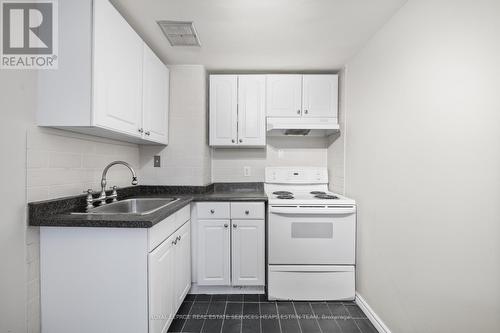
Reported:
(155, 98)
(109, 83)
(223, 110)
(284, 95)
(295, 96)
(251, 110)
(319, 95)
(237, 110)
(118, 55)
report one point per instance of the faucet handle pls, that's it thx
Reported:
(89, 191)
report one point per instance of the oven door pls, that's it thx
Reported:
(312, 235)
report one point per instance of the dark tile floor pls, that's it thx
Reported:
(254, 314)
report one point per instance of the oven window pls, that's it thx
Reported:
(312, 230)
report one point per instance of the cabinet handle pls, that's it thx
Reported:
(178, 238)
(235, 225)
(233, 141)
(147, 133)
(212, 211)
(140, 130)
(226, 225)
(306, 112)
(174, 242)
(247, 212)
(241, 140)
(298, 111)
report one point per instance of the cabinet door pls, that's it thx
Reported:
(117, 70)
(223, 110)
(213, 252)
(248, 261)
(161, 266)
(284, 95)
(182, 264)
(251, 110)
(320, 96)
(155, 98)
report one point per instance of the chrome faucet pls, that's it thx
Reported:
(102, 197)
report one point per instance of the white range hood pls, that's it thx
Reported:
(301, 126)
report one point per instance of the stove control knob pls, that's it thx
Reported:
(212, 211)
(247, 212)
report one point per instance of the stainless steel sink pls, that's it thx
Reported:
(135, 206)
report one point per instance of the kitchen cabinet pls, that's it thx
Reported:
(308, 96)
(230, 244)
(142, 274)
(237, 111)
(214, 252)
(248, 264)
(155, 98)
(109, 82)
(319, 96)
(284, 95)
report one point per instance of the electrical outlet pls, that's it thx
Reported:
(247, 171)
(156, 161)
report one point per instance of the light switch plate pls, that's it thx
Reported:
(156, 161)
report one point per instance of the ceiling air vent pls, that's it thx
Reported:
(180, 33)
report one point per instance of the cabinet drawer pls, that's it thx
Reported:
(162, 230)
(213, 210)
(247, 210)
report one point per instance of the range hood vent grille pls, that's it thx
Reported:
(300, 126)
(180, 33)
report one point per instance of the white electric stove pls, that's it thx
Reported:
(311, 237)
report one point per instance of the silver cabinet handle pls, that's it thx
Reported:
(235, 225)
(147, 133)
(226, 225)
(140, 130)
(233, 140)
(306, 112)
(241, 140)
(212, 211)
(247, 212)
(174, 242)
(298, 111)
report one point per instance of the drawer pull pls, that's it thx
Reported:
(212, 211)
(247, 212)
(226, 225)
(235, 226)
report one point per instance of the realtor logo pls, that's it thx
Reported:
(29, 34)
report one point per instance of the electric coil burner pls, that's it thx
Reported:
(326, 196)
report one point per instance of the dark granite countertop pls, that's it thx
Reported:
(57, 212)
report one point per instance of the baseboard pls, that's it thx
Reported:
(196, 289)
(372, 316)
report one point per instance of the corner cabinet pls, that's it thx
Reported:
(308, 96)
(109, 82)
(237, 111)
(230, 241)
(142, 274)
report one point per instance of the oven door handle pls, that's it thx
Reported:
(312, 211)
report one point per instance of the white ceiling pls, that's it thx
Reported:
(277, 35)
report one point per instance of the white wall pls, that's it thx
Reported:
(186, 159)
(17, 102)
(228, 164)
(423, 163)
(336, 145)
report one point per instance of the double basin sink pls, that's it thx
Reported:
(135, 206)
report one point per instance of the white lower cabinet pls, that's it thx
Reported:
(248, 252)
(127, 280)
(230, 251)
(214, 252)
